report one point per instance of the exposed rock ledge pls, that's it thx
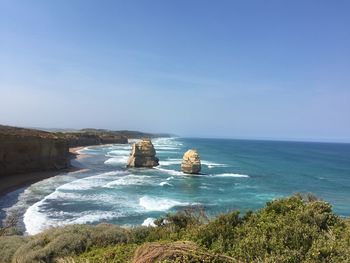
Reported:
(143, 154)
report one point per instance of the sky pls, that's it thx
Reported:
(195, 68)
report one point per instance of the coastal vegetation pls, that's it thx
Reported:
(293, 229)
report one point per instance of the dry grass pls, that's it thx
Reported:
(180, 251)
(9, 245)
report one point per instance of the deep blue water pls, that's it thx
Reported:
(237, 174)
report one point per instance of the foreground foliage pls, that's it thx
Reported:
(68, 241)
(286, 230)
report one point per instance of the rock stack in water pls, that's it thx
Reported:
(191, 162)
(143, 154)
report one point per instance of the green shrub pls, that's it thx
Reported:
(219, 234)
(150, 234)
(9, 227)
(183, 219)
(286, 230)
(67, 241)
(121, 253)
(171, 227)
(141, 234)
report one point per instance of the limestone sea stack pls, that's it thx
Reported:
(143, 154)
(191, 162)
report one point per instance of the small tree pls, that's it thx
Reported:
(10, 224)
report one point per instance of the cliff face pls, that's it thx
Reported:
(28, 150)
(24, 150)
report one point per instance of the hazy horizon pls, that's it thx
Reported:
(257, 70)
(281, 139)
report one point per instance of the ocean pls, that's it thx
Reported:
(236, 174)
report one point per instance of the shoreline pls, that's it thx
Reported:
(10, 183)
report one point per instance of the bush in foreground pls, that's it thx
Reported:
(121, 253)
(69, 241)
(286, 230)
(9, 246)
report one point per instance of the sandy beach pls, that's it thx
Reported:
(10, 183)
(75, 152)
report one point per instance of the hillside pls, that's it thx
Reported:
(86, 138)
(129, 134)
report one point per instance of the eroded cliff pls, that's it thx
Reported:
(26, 150)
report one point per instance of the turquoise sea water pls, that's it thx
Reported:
(237, 174)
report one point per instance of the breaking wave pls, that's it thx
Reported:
(149, 222)
(169, 162)
(131, 180)
(91, 181)
(36, 221)
(165, 183)
(213, 164)
(231, 175)
(168, 171)
(159, 204)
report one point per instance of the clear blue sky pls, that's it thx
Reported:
(239, 69)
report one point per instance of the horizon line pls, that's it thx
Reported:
(174, 135)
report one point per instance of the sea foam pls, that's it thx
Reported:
(169, 162)
(117, 160)
(119, 152)
(35, 221)
(165, 183)
(210, 164)
(90, 181)
(159, 204)
(131, 180)
(149, 222)
(168, 171)
(231, 175)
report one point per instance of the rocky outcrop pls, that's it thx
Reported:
(191, 163)
(143, 154)
(25, 150)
